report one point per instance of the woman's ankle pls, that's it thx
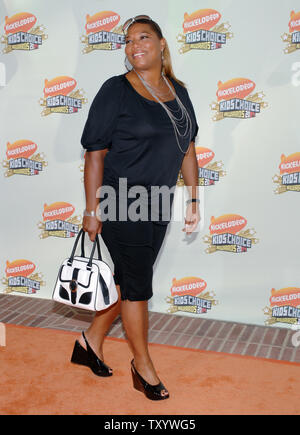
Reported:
(93, 341)
(146, 369)
(144, 359)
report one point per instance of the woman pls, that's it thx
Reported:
(141, 128)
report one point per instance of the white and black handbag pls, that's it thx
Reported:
(83, 282)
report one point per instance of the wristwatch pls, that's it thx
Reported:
(193, 200)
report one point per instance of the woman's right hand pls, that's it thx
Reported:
(92, 225)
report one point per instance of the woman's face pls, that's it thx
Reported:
(143, 46)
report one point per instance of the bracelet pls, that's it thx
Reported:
(193, 200)
(89, 213)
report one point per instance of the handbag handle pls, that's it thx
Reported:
(89, 265)
(96, 243)
(98, 246)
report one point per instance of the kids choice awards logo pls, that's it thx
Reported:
(292, 39)
(103, 32)
(21, 277)
(58, 221)
(22, 33)
(22, 158)
(289, 177)
(202, 31)
(284, 306)
(228, 233)
(236, 99)
(209, 171)
(60, 96)
(189, 294)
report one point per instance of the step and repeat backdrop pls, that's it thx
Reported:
(241, 64)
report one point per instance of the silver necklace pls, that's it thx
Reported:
(159, 93)
(181, 121)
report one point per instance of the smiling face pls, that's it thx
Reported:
(143, 46)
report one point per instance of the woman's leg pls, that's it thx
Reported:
(99, 327)
(135, 322)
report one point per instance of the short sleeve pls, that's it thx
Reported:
(102, 116)
(195, 126)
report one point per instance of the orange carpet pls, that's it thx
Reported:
(37, 378)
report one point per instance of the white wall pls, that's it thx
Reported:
(238, 284)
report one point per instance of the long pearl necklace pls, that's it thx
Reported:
(181, 121)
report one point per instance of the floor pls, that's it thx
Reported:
(170, 329)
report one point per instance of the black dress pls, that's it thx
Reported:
(143, 153)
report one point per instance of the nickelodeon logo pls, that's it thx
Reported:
(239, 87)
(103, 32)
(202, 19)
(21, 22)
(61, 209)
(284, 306)
(19, 267)
(289, 164)
(21, 148)
(294, 24)
(289, 178)
(187, 286)
(235, 99)
(286, 296)
(292, 39)
(21, 159)
(58, 220)
(60, 96)
(201, 31)
(17, 36)
(209, 173)
(185, 296)
(20, 277)
(62, 85)
(227, 234)
(227, 222)
(204, 156)
(105, 20)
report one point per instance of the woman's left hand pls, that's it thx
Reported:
(192, 218)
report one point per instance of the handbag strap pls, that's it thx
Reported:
(89, 265)
(96, 243)
(70, 261)
(98, 246)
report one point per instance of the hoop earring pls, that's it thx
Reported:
(127, 64)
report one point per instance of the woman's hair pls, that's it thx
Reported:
(167, 63)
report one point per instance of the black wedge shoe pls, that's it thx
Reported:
(89, 358)
(152, 392)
